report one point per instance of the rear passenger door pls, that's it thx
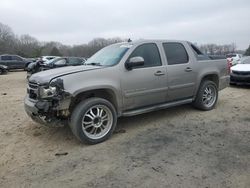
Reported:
(18, 62)
(145, 85)
(180, 71)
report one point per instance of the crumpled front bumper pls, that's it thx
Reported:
(32, 111)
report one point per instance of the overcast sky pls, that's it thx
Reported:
(79, 21)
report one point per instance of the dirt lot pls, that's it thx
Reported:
(177, 147)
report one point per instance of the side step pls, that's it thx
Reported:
(156, 107)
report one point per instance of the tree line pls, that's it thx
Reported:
(28, 46)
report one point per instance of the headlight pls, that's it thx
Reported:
(47, 92)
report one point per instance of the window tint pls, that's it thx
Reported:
(75, 61)
(176, 53)
(17, 58)
(150, 54)
(6, 58)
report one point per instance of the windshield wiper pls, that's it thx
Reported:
(94, 64)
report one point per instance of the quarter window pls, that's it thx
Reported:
(176, 53)
(196, 50)
(150, 54)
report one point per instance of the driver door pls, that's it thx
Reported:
(145, 85)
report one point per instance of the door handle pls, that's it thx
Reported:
(159, 73)
(188, 69)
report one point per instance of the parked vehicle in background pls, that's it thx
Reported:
(48, 58)
(125, 79)
(233, 58)
(14, 61)
(62, 62)
(54, 63)
(240, 73)
(32, 60)
(3, 69)
(217, 56)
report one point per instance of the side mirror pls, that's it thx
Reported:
(134, 62)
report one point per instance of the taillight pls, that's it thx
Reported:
(229, 65)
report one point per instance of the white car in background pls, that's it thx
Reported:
(240, 73)
(233, 58)
(48, 58)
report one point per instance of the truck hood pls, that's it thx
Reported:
(46, 76)
(241, 67)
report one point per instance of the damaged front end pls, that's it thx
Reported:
(48, 103)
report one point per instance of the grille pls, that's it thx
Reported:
(242, 72)
(33, 85)
(32, 90)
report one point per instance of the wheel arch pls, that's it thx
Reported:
(104, 93)
(213, 76)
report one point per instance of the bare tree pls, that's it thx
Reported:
(28, 46)
(7, 39)
(214, 49)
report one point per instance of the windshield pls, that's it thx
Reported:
(108, 56)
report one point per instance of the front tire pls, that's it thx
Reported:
(207, 96)
(93, 120)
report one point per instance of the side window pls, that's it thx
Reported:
(80, 61)
(60, 62)
(16, 58)
(6, 58)
(176, 53)
(150, 54)
(74, 61)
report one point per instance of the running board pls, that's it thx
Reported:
(156, 107)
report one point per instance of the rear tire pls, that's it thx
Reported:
(93, 120)
(207, 96)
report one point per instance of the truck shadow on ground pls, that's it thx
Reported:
(240, 86)
(155, 117)
(124, 125)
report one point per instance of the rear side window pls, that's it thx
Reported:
(16, 58)
(6, 58)
(150, 53)
(196, 50)
(176, 53)
(199, 55)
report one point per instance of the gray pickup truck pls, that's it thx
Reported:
(125, 79)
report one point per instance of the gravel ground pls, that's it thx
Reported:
(177, 147)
